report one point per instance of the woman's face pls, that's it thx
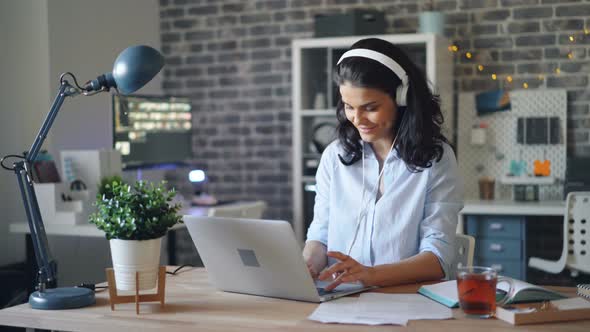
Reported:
(372, 111)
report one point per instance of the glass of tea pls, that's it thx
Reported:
(476, 286)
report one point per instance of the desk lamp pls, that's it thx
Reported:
(133, 68)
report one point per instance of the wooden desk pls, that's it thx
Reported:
(193, 305)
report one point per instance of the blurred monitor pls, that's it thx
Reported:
(152, 131)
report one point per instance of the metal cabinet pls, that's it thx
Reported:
(499, 243)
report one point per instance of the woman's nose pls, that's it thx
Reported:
(357, 116)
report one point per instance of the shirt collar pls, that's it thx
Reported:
(370, 154)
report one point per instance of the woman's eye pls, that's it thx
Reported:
(347, 108)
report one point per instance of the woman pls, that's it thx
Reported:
(388, 193)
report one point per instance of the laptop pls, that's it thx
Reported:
(258, 257)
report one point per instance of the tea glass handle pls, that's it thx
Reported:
(508, 295)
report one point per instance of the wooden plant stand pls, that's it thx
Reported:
(137, 298)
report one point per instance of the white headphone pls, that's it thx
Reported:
(402, 90)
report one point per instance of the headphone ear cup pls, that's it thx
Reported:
(318, 146)
(401, 95)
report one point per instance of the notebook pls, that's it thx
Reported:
(446, 292)
(584, 290)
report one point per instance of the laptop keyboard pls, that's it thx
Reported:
(323, 291)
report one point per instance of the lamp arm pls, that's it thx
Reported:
(45, 261)
(65, 90)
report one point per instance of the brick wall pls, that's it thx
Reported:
(233, 59)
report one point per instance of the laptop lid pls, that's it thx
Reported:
(254, 256)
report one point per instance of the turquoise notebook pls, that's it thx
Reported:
(446, 293)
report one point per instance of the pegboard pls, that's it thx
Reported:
(493, 158)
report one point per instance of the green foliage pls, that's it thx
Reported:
(141, 212)
(105, 186)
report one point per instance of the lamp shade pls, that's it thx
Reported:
(133, 68)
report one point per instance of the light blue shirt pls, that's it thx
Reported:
(417, 212)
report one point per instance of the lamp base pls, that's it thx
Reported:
(62, 298)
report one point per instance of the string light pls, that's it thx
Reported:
(573, 38)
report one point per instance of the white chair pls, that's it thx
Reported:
(464, 251)
(576, 247)
(250, 210)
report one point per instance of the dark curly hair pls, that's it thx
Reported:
(419, 137)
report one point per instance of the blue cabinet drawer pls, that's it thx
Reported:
(495, 226)
(508, 268)
(498, 248)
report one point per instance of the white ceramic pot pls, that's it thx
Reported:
(130, 256)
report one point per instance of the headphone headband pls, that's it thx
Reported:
(388, 62)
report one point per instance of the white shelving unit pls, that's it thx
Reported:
(313, 61)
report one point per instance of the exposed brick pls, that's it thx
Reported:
(172, 13)
(575, 67)
(536, 68)
(184, 24)
(535, 40)
(199, 35)
(234, 8)
(561, 25)
(232, 57)
(203, 10)
(478, 84)
(498, 42)
(472, 4)
(563, 81)
(497, 69)
(183, 72)
(265, 30)
(289, 15)
(170, 37)
(492, 15)
(532, 12)
(255, 18)
(271, 5)
(579, 39)
(222, 20)
(515, 55)
(484, 29)
(520, 27)
(255, 43)
(511, 3)
(562, 53)
(199, 59)
(573, 10)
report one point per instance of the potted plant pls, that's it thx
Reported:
(134, 219)
(430, 19)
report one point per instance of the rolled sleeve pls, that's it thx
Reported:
(444, 200)
(318, 229)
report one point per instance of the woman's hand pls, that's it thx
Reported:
(347, 270)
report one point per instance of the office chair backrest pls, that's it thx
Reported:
(578, 226)
(250, 210)
(464, 251)
(576, 237)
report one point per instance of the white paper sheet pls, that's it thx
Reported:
(379, 309)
